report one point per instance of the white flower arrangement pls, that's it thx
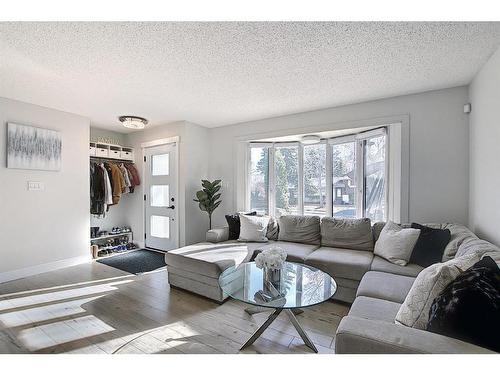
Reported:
(272, 258)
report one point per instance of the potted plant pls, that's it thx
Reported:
(208, 198)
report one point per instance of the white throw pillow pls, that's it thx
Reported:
(396, 244)
(430, 283)
(253, 228)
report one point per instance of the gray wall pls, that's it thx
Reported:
(39, 227)
(484, 198)
(193, 166)
(96, 135)
(439, 162)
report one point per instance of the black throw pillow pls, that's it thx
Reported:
(233, 222)
(430, 245)
(468, 309)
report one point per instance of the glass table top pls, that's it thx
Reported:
(294, 286)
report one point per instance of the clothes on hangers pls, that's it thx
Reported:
(135, 179)
(126, 179)
(108, 182)
(97, 190)
(118, 182)
(107, 188)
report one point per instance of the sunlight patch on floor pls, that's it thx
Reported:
(20, 302)
(42, 313)
(48, 335)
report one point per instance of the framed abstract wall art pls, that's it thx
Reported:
(29, 147)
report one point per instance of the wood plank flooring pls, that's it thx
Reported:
(94, 308)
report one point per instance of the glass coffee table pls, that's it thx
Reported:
(295, 287)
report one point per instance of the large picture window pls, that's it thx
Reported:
(342, 177)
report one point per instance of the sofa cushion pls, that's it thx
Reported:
(429, 284)
(459, 233)
(475, 245)
(430, 245)
(374, 309)
(233, 223)
(385, 286)
(382, 265)
(253, 228)
(301, 229)
(210, 259)
(296, 252)
(345, 263)
(469, 307)
(272, 229)
(379, 225)
(396, 244)
(353, 234)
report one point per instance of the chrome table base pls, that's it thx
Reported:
(291, 315)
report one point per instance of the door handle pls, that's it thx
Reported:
(171, 207)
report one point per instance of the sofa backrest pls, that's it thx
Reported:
(301, 229)
(459, 233)
(355, 234)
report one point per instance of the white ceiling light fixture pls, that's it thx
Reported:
(310, 139)
(133, 122)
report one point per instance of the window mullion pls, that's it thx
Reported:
(271, 187)
(300, 159)
(329, 180)
(360, 184)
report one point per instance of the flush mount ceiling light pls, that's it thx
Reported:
(133, 122)
(310, 139)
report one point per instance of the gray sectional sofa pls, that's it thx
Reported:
(375, 287)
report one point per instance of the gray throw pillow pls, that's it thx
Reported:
(272, 229)
(396, 244)
(353, 234)
(301, 229)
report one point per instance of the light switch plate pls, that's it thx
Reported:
(35, 185)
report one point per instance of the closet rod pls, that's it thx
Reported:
(111, 159)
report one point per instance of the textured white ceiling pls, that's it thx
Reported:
(215, 74)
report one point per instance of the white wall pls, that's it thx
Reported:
(439, 147)
(484, 198)
(40, 227)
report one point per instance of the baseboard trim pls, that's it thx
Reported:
(41, 268)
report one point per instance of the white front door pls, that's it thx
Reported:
(160, 197)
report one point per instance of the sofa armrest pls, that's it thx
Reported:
(360, 336)
(217, 235)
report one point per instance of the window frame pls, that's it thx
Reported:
(359, 139)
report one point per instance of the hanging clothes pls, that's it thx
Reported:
(108, 190)
(108, 182)
(97, 190)
(118, 182)
(126, 178)
(135, 180)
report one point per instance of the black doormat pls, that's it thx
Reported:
(138, 261)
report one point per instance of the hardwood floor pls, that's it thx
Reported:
(93, 308)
